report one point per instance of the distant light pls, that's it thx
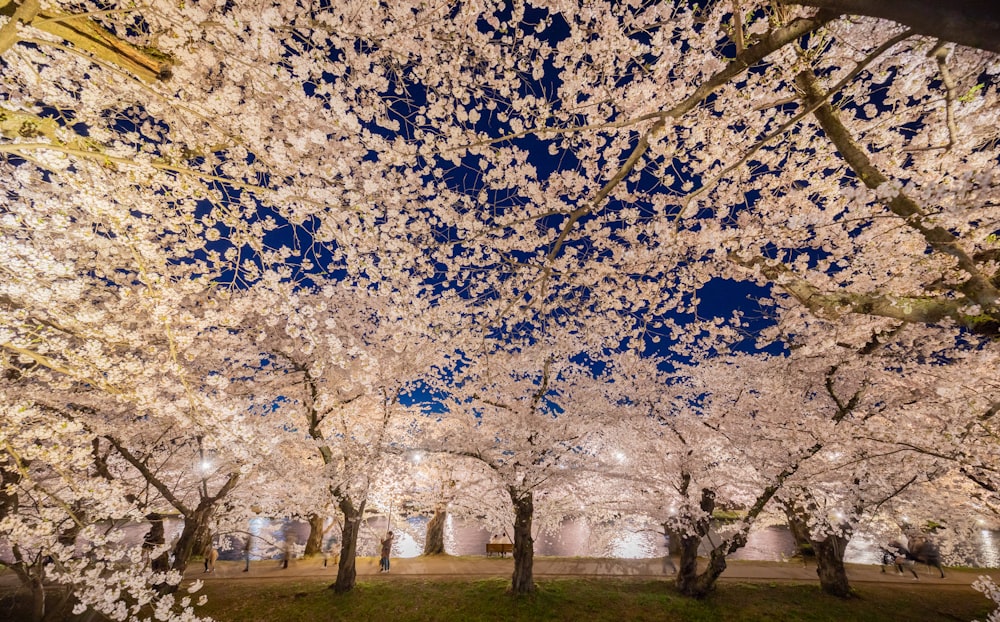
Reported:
(619, 457)
(416, 457)
(205, 466)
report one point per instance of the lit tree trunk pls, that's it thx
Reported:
(829, 552)
(194, 533)
(689, 582)
(314, 543)
(434, 542)
(347, 572)
(29, 572)
(830, 565)
(524, 546)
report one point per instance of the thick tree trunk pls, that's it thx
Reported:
(830, 565)
(314, 543)
(347, 572)
(689, 582)
(522, 581)
(829, 552)
(687, 571)
(434, 542)
(195, 533)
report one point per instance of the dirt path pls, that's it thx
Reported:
(457, 568)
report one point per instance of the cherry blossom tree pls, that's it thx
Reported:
(341, 359)
(523, 416)
(55, 505)
(573, 172)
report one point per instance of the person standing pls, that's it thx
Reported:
(213, 556)
(383, 562)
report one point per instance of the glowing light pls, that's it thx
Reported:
(404, 545)
(632, 545)
(619, 457)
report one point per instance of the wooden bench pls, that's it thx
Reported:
(500, 548)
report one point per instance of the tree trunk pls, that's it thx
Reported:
(194, 533)
(434, 542)
(829, 552)
(687, 571)
(830, 566)
(156, 537)
(314, 543)
(37, 597)
(800, 532)
(524, 546)
(673, 539)
(689, 583)
(347, 572)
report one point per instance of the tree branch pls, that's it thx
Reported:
(975, 23)
(149, 476)
(978, 287)
(85, 34)
(917, 309)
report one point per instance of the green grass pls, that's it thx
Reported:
(594, 600)
(612, 600)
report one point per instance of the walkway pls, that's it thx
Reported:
(471, 568)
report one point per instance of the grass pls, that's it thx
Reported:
(597, 600)
(404, 599)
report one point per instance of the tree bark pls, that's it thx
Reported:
(314, 543)
(194, 533)
(86, 34)
(975, 23)
(347, 572)
(673, 539)
(522, 581)
(37, 597)
(800, 532)
(830, 565)
(434, 542)
(155, 537)
(689, 583)
(829, 552)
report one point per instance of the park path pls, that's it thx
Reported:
(446, 567)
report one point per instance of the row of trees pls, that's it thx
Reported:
(254, 254)
(326, 423)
